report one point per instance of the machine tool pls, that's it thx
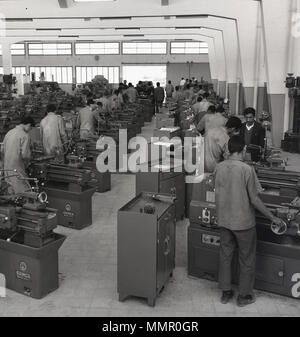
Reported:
(146, 246)
(69, 190)
(278, 247)
(87, 150)
(28, 244)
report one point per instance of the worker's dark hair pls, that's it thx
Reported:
(177, 87)
(100, 104)
(28, 120)
(51, 107)
(236, 144)
(199, 99)
(212, 108)
(169, 82)
(158, 84)
(206, 95)
(220, 109)
(234, 123)
(130, 84)
(249, 111)
(90, 102)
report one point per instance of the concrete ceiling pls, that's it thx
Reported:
(68, 20)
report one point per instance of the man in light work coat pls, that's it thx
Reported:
(53, 132)
(86, 120)
(16, 148)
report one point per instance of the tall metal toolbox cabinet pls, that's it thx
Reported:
(164, 182)
(146, 247)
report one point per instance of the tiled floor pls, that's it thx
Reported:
(88, 270)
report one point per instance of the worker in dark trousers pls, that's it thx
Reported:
(236, 201)
(159, 97)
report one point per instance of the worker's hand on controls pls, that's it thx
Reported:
(277, 221)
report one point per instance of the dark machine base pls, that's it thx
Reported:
(30, 271)
(74, 208)
(103, 179)
(277, 263)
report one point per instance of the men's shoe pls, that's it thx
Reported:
(227, 296)
(242, 301)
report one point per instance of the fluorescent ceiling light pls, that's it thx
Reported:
(92, 0)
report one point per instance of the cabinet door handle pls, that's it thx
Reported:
(281, 274)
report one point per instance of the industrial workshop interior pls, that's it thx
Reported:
(150, 159)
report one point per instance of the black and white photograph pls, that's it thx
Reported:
(149, 162)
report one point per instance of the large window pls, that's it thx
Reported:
(144, 48)
(86, 74)
(62, 75)
(16, 49)
(189, 48)
(50, 48)
(16, 70)
(99, 48)
(146, 72)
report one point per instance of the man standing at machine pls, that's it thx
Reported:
(236, 200)
(16, 149)
(169, 90)
(254, 134)
(53, 133)
(87, 118)
(159, 97)
(132, 93)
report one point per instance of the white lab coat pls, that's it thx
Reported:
(86, 120)
(53, 134)
(16, 148)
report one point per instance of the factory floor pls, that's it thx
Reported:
(88, 274)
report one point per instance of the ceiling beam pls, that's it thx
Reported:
(165, 2)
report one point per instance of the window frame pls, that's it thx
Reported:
(50, 43)
(30, 72)
(114, 67)
(185, 47)
(140, 42)
(106, 42)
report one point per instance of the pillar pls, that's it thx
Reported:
(6, 58)
(276, 24)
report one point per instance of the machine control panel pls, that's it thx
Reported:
(212, 240)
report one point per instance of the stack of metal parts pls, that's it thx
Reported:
(278, 248)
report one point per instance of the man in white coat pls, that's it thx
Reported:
(53, 133)
(16, 148)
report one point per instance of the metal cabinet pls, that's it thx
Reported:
(164, 182)
(146, 247)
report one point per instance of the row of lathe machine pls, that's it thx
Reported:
(147, 227)
(59, 193)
